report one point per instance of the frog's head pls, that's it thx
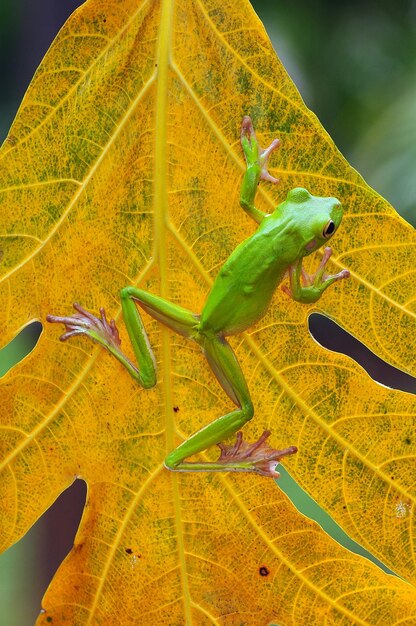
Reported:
(316, 218)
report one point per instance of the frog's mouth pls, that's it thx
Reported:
(311, 245)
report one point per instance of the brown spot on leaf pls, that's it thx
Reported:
(264, 571)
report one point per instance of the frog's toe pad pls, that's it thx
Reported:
(262, 458)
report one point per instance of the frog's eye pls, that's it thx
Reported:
(299, 194)
(329, 229)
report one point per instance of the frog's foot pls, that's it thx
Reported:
(105, 332)
(254, 154)
(313, 284)
(83, 322)
(320, 277)
(255, 457)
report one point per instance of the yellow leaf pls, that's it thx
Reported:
(122, 167)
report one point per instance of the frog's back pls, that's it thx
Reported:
(245, 285)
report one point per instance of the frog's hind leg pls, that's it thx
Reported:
(240, 456)
(106, 333)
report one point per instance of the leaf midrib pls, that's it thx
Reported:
(161, 208)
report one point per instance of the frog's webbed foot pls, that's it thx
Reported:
(255, 457)
(320, 277)
(254, 154)
(313, 285)
(85, 323)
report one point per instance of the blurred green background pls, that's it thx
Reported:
(355, 65)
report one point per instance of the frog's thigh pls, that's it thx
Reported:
(226, 368)
(175, 317)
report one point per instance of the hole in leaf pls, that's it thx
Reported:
(308, 507)
(19, 347)
(59, 526)
(331, 336)
(27, 568)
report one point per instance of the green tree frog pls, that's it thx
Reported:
(239, 298)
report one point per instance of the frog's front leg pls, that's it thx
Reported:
(313, 284)
(256, 161)
(241, 456)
